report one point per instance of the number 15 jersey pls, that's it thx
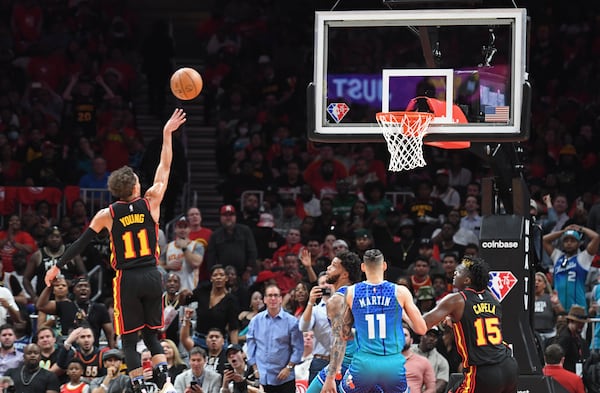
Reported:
(134, 235)
(377, 318)
(478, 334)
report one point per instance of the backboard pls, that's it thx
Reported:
(468, 63)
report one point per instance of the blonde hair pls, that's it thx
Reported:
(176, 355)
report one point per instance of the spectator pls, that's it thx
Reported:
(290, 181)
(46, 340)
(231, 244)
(235, 287)
(427, 348)
(86, 351)
(295, 301)
(292, 246)
(184, 256)
(419, 372)
(249, 215)
(239, 378)
(289, 219)
(12, 240)
(9, 356)
(547, 308)
(80, 311)
(97, 178)
(361, 175)
(290, 275)
(574, 346)
(47, 170)
(174, 362)
(113, 381)
(30, 377)
(217, 308)
(275, 345)
(256, 306)
(172, 308)
(324, 171)
(208, 380)
(554, 356)
(314, 318)
(267, 239)
(75, 384)
(571, 266)
(472, 221)
(426, 211)
(307, 204)
(561, 206)
(8, 307)
(60, 290)
(197, 231)
(44, 258)
(377, 204)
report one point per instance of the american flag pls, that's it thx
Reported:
(496, 113)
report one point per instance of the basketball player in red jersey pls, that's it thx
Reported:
(477, 321)
(132, 222)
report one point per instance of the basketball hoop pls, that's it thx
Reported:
(404, 132)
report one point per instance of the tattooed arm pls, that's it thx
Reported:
(340, 316)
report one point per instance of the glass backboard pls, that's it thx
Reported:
(469, 64)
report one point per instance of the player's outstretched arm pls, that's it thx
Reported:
(416, 321)
(451, 305)
(161, 177)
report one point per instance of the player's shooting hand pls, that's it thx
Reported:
(176, 120)
(51, 275)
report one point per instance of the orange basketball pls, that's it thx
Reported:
(186, 83)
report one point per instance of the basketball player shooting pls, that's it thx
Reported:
(132, 222)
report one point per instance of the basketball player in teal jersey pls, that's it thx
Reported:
(376, 309)
(488, 365)
(343, 270)
(132, 223)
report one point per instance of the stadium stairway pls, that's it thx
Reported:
(198, 137)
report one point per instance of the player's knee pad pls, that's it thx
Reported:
(150, 337)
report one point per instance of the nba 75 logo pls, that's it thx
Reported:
(337, 111)
(501, 283)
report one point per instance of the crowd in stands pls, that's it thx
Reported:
(67, 118)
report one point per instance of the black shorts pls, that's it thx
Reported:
(494, 378)
(137, 297)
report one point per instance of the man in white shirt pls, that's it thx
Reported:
(472, 221)
(184, 256)
(315, 318)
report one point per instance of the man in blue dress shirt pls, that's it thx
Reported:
(275, 345)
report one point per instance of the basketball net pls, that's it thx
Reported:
(403, 133)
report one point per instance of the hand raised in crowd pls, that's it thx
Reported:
(315, 294)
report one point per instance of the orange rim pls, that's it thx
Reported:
(396, 117)
(450, 144)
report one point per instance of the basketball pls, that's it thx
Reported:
(186, 83)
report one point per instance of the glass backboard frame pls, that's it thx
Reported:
(320, 129)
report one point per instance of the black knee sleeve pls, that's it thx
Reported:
(150, 337)
(132, 357)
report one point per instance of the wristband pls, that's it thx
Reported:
(103, 386)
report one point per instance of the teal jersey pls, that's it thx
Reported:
(377, 319)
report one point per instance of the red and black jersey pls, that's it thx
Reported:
(134, 235)
(478, 334)
(92, 363)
